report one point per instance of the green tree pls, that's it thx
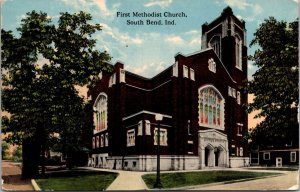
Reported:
(17, 153)
(4, 149)
(275, 83)
(41, 97)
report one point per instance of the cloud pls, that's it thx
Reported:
(174, 40)
(240, 4)
(77, 4)
(192, 32)
(244, 5)
(195, 41)
(161, 3)
(103, 8)
(121, 37)
(144, 69)
(250, 65)
(104, 12)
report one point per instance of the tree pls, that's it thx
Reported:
(4, 148)
(275, 83)
(41, 97)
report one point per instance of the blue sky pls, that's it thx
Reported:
(147, 50)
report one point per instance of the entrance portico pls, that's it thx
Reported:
(213, 149)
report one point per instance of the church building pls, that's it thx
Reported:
(200, 98)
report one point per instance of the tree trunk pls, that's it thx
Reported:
(43, 160)
(30, 156)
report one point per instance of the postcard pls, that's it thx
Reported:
(150, 94)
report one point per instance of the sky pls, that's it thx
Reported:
(148, 49)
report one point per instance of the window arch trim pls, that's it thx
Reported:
(98, 97)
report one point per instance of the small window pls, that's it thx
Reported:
(189, 127)
(266, 155)
(239, 129)
(212, 65)
(97, 142)
(175, 69)
(140, 128)
(126, 164)
(131, 138)
(106, 139)
(102, 141)
(163, 137)
(112, 80)
(122, 76)
(241, 151)
(134, 164)
(233, 92)
(93, 142)
(293, 157)
(192, 74)
(238, 97)
(185, 72)
(148, 127)
(229, 91)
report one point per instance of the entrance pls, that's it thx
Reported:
(217, 155)
(213, 149)
(209, 156)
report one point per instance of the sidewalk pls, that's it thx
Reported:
(132, 180)
(126, 180)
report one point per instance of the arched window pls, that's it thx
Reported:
(100, 108)
(215, 44)
(238, 52)
(211, 108)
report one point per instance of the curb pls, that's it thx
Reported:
(35, 185)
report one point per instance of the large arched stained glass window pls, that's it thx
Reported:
(100, 112)
(211, 108)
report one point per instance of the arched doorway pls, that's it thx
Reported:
(209, 156)
(217, 155)
(213, 149)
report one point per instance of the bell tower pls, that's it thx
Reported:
(226, 35)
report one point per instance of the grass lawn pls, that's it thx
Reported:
(173, 180)
(77, 180)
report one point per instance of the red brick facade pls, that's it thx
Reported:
(174, 93)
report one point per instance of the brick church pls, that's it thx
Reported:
(200, 98)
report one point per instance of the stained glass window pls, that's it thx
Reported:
(211, 108)
(100, 108)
